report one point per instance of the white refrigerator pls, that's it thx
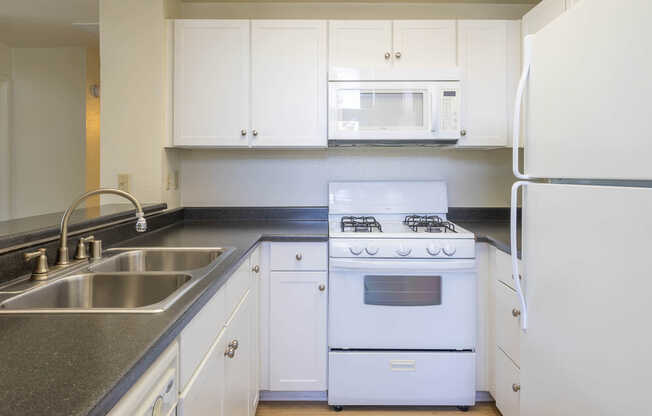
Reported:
(586, 292)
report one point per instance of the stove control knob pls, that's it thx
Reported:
(433, 249)
(372, 250)
(355, 250)
(449, 249)
(403, 251)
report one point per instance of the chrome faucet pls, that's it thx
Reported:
(141, 223)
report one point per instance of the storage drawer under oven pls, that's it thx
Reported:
(401, 378)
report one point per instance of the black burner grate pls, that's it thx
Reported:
(360, 224)
(429, 224)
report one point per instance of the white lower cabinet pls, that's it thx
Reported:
(254, 294)
(507, 385)
(505, 325)
(298, 326)
(204, 394)
(237, 364)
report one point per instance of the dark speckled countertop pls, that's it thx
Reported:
(78, 364)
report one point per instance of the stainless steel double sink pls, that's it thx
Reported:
(130, 280)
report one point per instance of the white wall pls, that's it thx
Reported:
(476, 178)
(47, 128)
(134, 73)
(5, 149)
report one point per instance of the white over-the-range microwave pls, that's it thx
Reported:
(394, 112)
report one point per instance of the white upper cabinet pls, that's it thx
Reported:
(289, 83)
(391, 50)
(487, 81)
(359, 49)
(542, 14)
(211, 82)
(424, 44)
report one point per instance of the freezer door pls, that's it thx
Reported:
(588, 105)
(588, 264)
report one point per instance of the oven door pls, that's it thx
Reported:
(402, 304)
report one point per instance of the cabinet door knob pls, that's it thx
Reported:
(234, 344)
(256, 269)
(398, 55)
(322, 287)
(388, 55)
(243, 132)
(516, 313)
(463, 133)
(516, 387)
(230, 352)
(254, 132)
(299, 256)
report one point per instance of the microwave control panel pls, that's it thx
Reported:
(449, 112)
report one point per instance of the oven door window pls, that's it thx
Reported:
(402, 290)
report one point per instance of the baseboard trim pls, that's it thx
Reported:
(322, 396)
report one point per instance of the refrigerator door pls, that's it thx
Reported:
(588, 106)
(587, 266)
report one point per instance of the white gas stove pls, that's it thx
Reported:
(402, 297)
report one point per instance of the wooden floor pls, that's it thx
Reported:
(322, 409)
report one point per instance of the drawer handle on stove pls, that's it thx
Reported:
(298, 256)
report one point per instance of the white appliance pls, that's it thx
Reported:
(585, 346)
(402, 297)
(394, 112)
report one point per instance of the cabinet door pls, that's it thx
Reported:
(256, 272)
(507, 385)
(211, 82)
(288, 81)
(359, 49)
(420, 44)
(204, 394)
(482, 56)
(298, 348)
(237, 371)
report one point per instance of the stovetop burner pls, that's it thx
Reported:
(429, 224)
(360, 224)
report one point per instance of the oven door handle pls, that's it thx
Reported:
(404, 266)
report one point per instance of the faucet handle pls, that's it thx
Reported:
(40, 271)
(80, 253)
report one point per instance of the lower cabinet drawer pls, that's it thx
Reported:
(507, 321)
(299, 256)
(401, 378)
(507, 385)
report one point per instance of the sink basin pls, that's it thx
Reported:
(157, 259)
(101, 291)
(130, 280)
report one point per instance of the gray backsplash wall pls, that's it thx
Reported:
(476, 178)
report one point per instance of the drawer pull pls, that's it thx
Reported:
(256, 269)
(299, 256)
(516, 387)
(516, 313)
(322, 287)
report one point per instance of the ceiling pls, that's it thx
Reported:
(48, 23)
(368, 1)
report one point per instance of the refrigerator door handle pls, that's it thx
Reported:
(522, 84)
(513, 231)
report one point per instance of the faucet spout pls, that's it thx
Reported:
(141, 223)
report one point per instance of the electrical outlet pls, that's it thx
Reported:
(176, 179)
(123, 182)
